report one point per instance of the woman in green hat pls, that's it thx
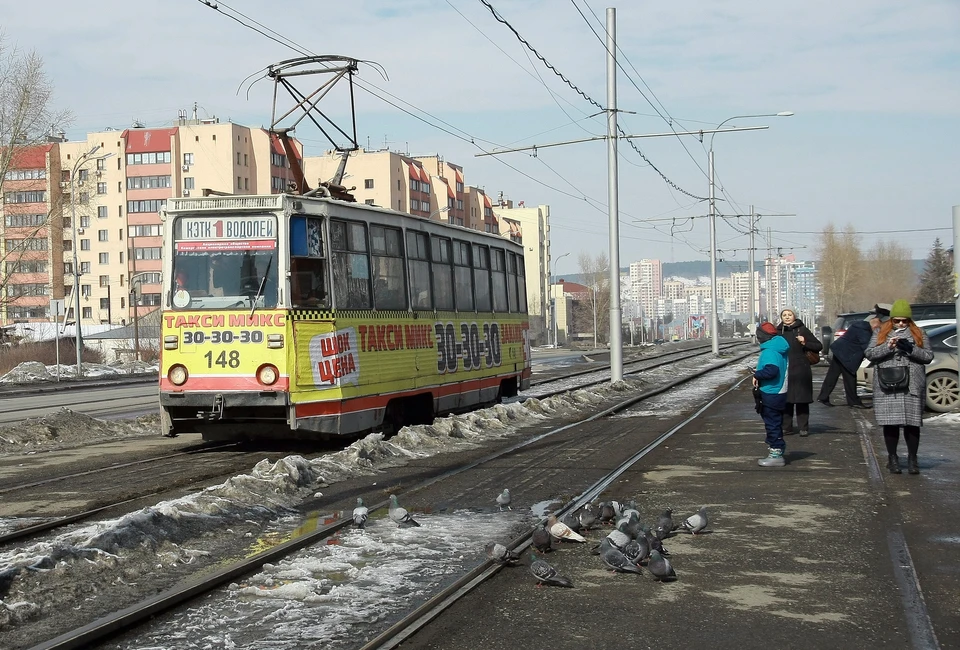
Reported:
(900, 344)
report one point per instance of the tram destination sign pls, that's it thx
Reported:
(197, 234)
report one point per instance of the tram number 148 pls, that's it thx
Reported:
(476, 350)
(225, 359)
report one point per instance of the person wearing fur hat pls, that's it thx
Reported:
(800, 393)
(900, 343)
(772, 378)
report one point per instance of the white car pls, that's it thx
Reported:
(865, 371)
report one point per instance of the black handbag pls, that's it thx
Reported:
(894, 378)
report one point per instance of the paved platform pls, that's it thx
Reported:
(830, 551)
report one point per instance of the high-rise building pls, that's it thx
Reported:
(646, 282)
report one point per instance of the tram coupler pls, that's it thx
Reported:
(216, 413)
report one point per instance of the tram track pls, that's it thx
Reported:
(186, 591)
(36, 529)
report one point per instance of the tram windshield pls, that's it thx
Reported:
(223, 263)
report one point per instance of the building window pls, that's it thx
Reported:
(148, 158)
(188, 182)
(239, 183)
(26, 266)
(101, 212)
(459, 204)
(84, 244)
(84, 222)
(368, 184)
(238, 159)
(144, 231)
(152, 205)
(82, 175)
(148, 182)
(104, 258)
(68, 268)
(29, 290)
(20, 220)
(25, 197)
(278, 184)
(149, 253)
(104, 280)
(29, 244)
(245, 160)
(368, 201)
(150, 299)
(149, 278)
(67, 245)
(414, 185)
(101, 164)
(101, 188)
(88, 312)
(246, 183)
(85, 290)
(278, 160)
(84, 267)
(188, 159)
(25, 174)
(102, 235)
(104, 304)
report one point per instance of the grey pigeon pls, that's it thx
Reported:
(607, 513)
(660, 567)
(572, 521)
(695, 523)
(635, 551)
(618, 538)
(399, 515)
(562, 531)
(500, 554)
(588, 519)
(630, 525)
(503, 500)
(654, 542)
(542, 540)
(618, 561)
(360, 514)
(546, 574)
(600, 548)
(665, 524)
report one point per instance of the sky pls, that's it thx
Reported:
(874, 87)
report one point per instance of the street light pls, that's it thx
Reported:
(76, 247)
(714, 319)
(437, 212)
(553, 299)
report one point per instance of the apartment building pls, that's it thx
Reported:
(106, 193)
(741, 292)
(534, 226)
(646, 282)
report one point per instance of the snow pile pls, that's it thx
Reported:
(67, 428)
(30, 372)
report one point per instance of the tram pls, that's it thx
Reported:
(295, 316)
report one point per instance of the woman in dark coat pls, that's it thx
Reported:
(799, 374)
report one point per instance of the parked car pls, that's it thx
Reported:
(928, 311)
(943, 379)
(828, 334)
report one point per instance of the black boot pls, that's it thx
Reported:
(912, 466)
(893, 464)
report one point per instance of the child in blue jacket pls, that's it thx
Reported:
(771, 378)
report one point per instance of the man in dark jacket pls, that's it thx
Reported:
(847, 355)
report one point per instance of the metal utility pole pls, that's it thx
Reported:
(956, 257)
(134, 300)
(769, 279)
(753, 312)
(616, 343)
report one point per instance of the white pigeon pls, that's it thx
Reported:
(498, 553)
(695, 523)
(360, 514)
(562, 531)
(399, 515)
(503, 500)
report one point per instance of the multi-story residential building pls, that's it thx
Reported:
(535, 231)
(673, 289)
(32, 241)
(646, 282)
(741, 293)
(109, 203)
(792, 284)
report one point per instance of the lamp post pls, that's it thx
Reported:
(438, 212)
(76, 247)
(714, 319)
(553, 299)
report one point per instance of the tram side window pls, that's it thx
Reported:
(389, 283)
(499, 272)
(463, 275)
(442, 273)
(512, 282)
(481, 276)
(418, 268)
(521, 284)
(351, 265)
(307, 284)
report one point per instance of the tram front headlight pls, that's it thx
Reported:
(268, 374)
(170, 342)
(178, 375)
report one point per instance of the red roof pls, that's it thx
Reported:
(148, 140)
(486, 201)
(424, 176)
(278, 148)
(459, 175)
(31, 157)
(450, 193)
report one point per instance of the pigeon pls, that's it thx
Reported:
(665, 524)
(542, 540)
(637, 550)
(399, 515)
(546, 574)
(503, 500)
(562, 531)
(660, 567)
(587, 517)
(631, 526)
(602, 547)
(618, 561)
(618, 538)
(695, 523)
(607, 513)
(654, 543)
(572, 521)
(360, 514)
(499, 554)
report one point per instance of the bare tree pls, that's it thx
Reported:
(27, 114)
(936, 281)
(840, 269)
(593, 314)
(888, 275)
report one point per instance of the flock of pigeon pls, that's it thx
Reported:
(625, 549)
(628, 547)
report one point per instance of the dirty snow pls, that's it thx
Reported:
(33, 372)
(67, 428)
